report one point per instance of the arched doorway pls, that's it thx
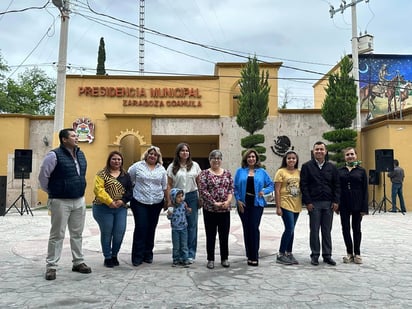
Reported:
(131, 144)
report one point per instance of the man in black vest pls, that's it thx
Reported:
(62, 176)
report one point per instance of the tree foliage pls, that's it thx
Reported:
(252, 140)
(101, 58)
(4, 68)
(253, 98)
(253, 105)
(339, 111)
(32, 93)
(341, 139)
(339, 107)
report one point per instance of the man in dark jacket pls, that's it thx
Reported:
(62, 176)
(319, 183)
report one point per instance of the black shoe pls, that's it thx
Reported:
(225, 263)
(82, 268)
(186, 264)
(314, 260)
(148, 261)
(115, 261)
(329, 261)
(253, 263)
(137, 263)
(50, 274)
(108, 263)
(393, 210)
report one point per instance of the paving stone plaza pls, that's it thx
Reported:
(383, 280)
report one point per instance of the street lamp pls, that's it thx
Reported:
(63, 6)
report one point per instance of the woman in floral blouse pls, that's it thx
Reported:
(216, 192)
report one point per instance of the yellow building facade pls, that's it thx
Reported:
(130, 113)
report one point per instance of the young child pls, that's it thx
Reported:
(177, 216)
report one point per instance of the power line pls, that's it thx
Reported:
(26, 9)
(244, 55)
(32, 51)
(8, 6)
(221, 50)
(99, 21)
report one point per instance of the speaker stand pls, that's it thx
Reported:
(373, 204)
(24, 205)
(382, 203)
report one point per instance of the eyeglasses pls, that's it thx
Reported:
(216, 158)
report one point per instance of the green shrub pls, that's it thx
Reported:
(252, 140)
(340, 135)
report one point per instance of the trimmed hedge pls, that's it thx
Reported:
(252, 140)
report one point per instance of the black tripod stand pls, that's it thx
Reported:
(24, 206)
(382, 203)
(373, 204)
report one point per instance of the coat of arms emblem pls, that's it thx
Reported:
(84, 128)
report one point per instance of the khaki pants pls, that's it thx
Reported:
(71, 213)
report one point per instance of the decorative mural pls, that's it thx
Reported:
(385, 83)
(84, 128)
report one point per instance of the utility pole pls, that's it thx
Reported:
(63, 6)
(355, 51)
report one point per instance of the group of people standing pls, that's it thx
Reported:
(183, 188)
(324, 189)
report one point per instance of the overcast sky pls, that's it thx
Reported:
(299, 33)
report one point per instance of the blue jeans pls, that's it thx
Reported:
(397, 191)
(112, 224)
(179, 241)
(192, 200)
(289, 220)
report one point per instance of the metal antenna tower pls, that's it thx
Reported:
(141, 37)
